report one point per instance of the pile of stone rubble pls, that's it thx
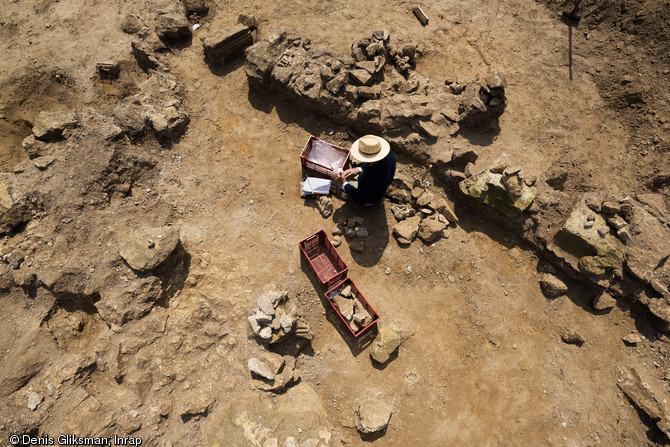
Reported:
(419, 212)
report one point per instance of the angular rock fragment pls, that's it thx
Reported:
(406, 231)
(259, 368)
(220, 45)
(572, 337)
(373, 416)
(603, 301)
(431, 229)
(357, 245)
(325, 206)
(51, 125)
(385, 344)
(647, 394)
(14, 209)
(346, 306)
(401, 212)
(172, 25)
(552, 286)
(146, 248)
(632, 339)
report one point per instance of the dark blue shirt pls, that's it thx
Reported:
(373, 181)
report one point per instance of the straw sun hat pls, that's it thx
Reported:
(369, 149)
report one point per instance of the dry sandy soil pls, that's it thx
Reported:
(483, 362)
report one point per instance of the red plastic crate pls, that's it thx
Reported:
(323, 259)
(330, 294)
(317, 167)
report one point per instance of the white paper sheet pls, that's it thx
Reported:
(315, 185)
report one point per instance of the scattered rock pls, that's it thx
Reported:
(406, 231)
(357, 245)
(624, 235)
(15, 259)
(647, 393)
(172, 25)
(195, 405)
(51, 125)
(603, 301)
(632, 339)
(401, 212)
(443, 207)
(385, 344)
(34, 400)
(571, 337)
(146, 248)
(552, 286)
(373, 416)
(261, 369)
(325, 206)
(361, 232)
(487, 187)
(616, 222)
(556, 177)
(368, 92)
(248, 20)
(131, 24)
(275, 319)
(197, 8)
(337, 241)
(44, 162)
(611, 208)
(431, 229)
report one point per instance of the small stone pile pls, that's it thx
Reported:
(502, 186)
(351, 228)
(274, 319)
(273, 372)
(352, 309)
(419, 212)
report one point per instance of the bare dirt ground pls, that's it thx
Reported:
(483, 364)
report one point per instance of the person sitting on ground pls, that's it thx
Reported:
(375, 174)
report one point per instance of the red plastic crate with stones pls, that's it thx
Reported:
(323, 259)
(330, 294)
(323, 158)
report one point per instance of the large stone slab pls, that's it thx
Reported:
(648, 251)
(648, 394)
(255, 419)
(222, 44)
(51, 125)
(146, 248)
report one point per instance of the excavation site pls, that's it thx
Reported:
(335, 224)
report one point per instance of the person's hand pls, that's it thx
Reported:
(340, 178)
(350, 173)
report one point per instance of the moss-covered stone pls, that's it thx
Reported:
(487, 187)
(579, 236)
